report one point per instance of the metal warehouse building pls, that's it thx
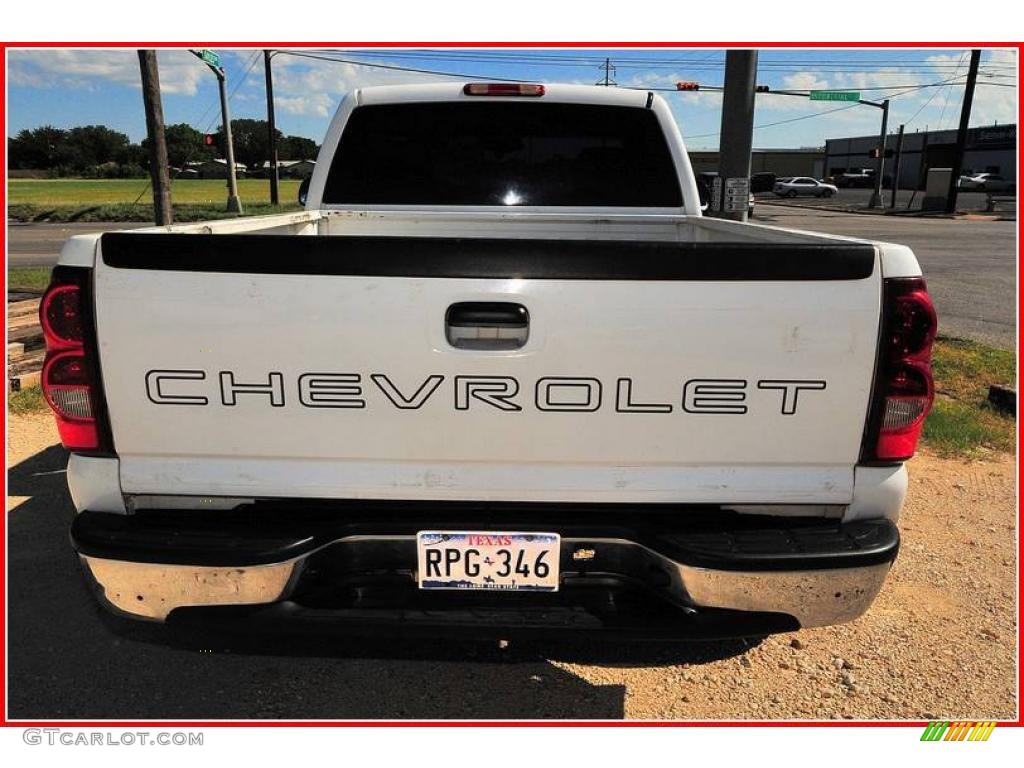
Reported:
(990, 149)
(781, 162)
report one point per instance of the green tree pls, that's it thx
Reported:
(36, 148)
(75, 150)
(297, 148)
(94, 145)
(184, 145)
(252, 146)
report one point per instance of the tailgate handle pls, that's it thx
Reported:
(487, 325)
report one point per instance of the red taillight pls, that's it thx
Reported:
(503, 89)
(904, 389)
(60, 314)
(68, 379)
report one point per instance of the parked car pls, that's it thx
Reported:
(861, 179)
(804, 186)
(474, 390)
(986, 182)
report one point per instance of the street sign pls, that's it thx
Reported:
(737, 195)
(210, 57)
(715, 204)
(835, 95)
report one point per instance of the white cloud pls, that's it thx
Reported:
(180, 71)
(804, 81)
(650, 79)
(314, 87)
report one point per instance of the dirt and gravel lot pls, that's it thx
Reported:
(939, 642)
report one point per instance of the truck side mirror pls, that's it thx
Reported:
(303, 191)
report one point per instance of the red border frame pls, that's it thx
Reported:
(481, 723)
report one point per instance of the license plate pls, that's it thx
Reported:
(526, 562)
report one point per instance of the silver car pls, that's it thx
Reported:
(803, 185)
(986, 182)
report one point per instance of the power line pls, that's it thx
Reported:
(781, 122)
(547, 59)
(400, 69)
(949, 90)
(624, 58)
(607, 63)
(442, 73)
(922, 108)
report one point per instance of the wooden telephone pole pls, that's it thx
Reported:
(159, 172)
(961, 134)
(275, 197)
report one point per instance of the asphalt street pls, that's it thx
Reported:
(906, 200)
(969, 265)
(38, 245)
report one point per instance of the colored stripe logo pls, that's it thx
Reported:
(958, 730)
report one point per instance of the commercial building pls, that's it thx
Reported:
(990, 149)
(211, 169)
(290, 169)
(807, 161)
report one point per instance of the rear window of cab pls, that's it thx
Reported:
(503, 153)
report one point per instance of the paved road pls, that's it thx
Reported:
(969, 265)
(38, 245)
(906, 199)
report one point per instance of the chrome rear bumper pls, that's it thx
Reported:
(815, 588)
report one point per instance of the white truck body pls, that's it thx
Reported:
(713, 372)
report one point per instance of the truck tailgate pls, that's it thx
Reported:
(294, 366)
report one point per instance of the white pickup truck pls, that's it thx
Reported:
(499, 377)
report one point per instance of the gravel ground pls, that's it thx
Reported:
(940, 641)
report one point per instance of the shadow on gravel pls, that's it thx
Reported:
(70, 659)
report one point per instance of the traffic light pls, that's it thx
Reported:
(209, 140)
(762, 89)
(874, 153)
(687, 85)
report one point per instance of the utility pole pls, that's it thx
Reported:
(234, 204)
(609, 70)
(272, 130)
(876, 196)
(212, 60)
(159, 173)
(737, 134)
(961, 136)
(896, 167)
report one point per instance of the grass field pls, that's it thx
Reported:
(28, 278)
(962, 421)
(131, 199)
(61, 192)
(26, 401)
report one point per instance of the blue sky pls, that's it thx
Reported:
(79, 87)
